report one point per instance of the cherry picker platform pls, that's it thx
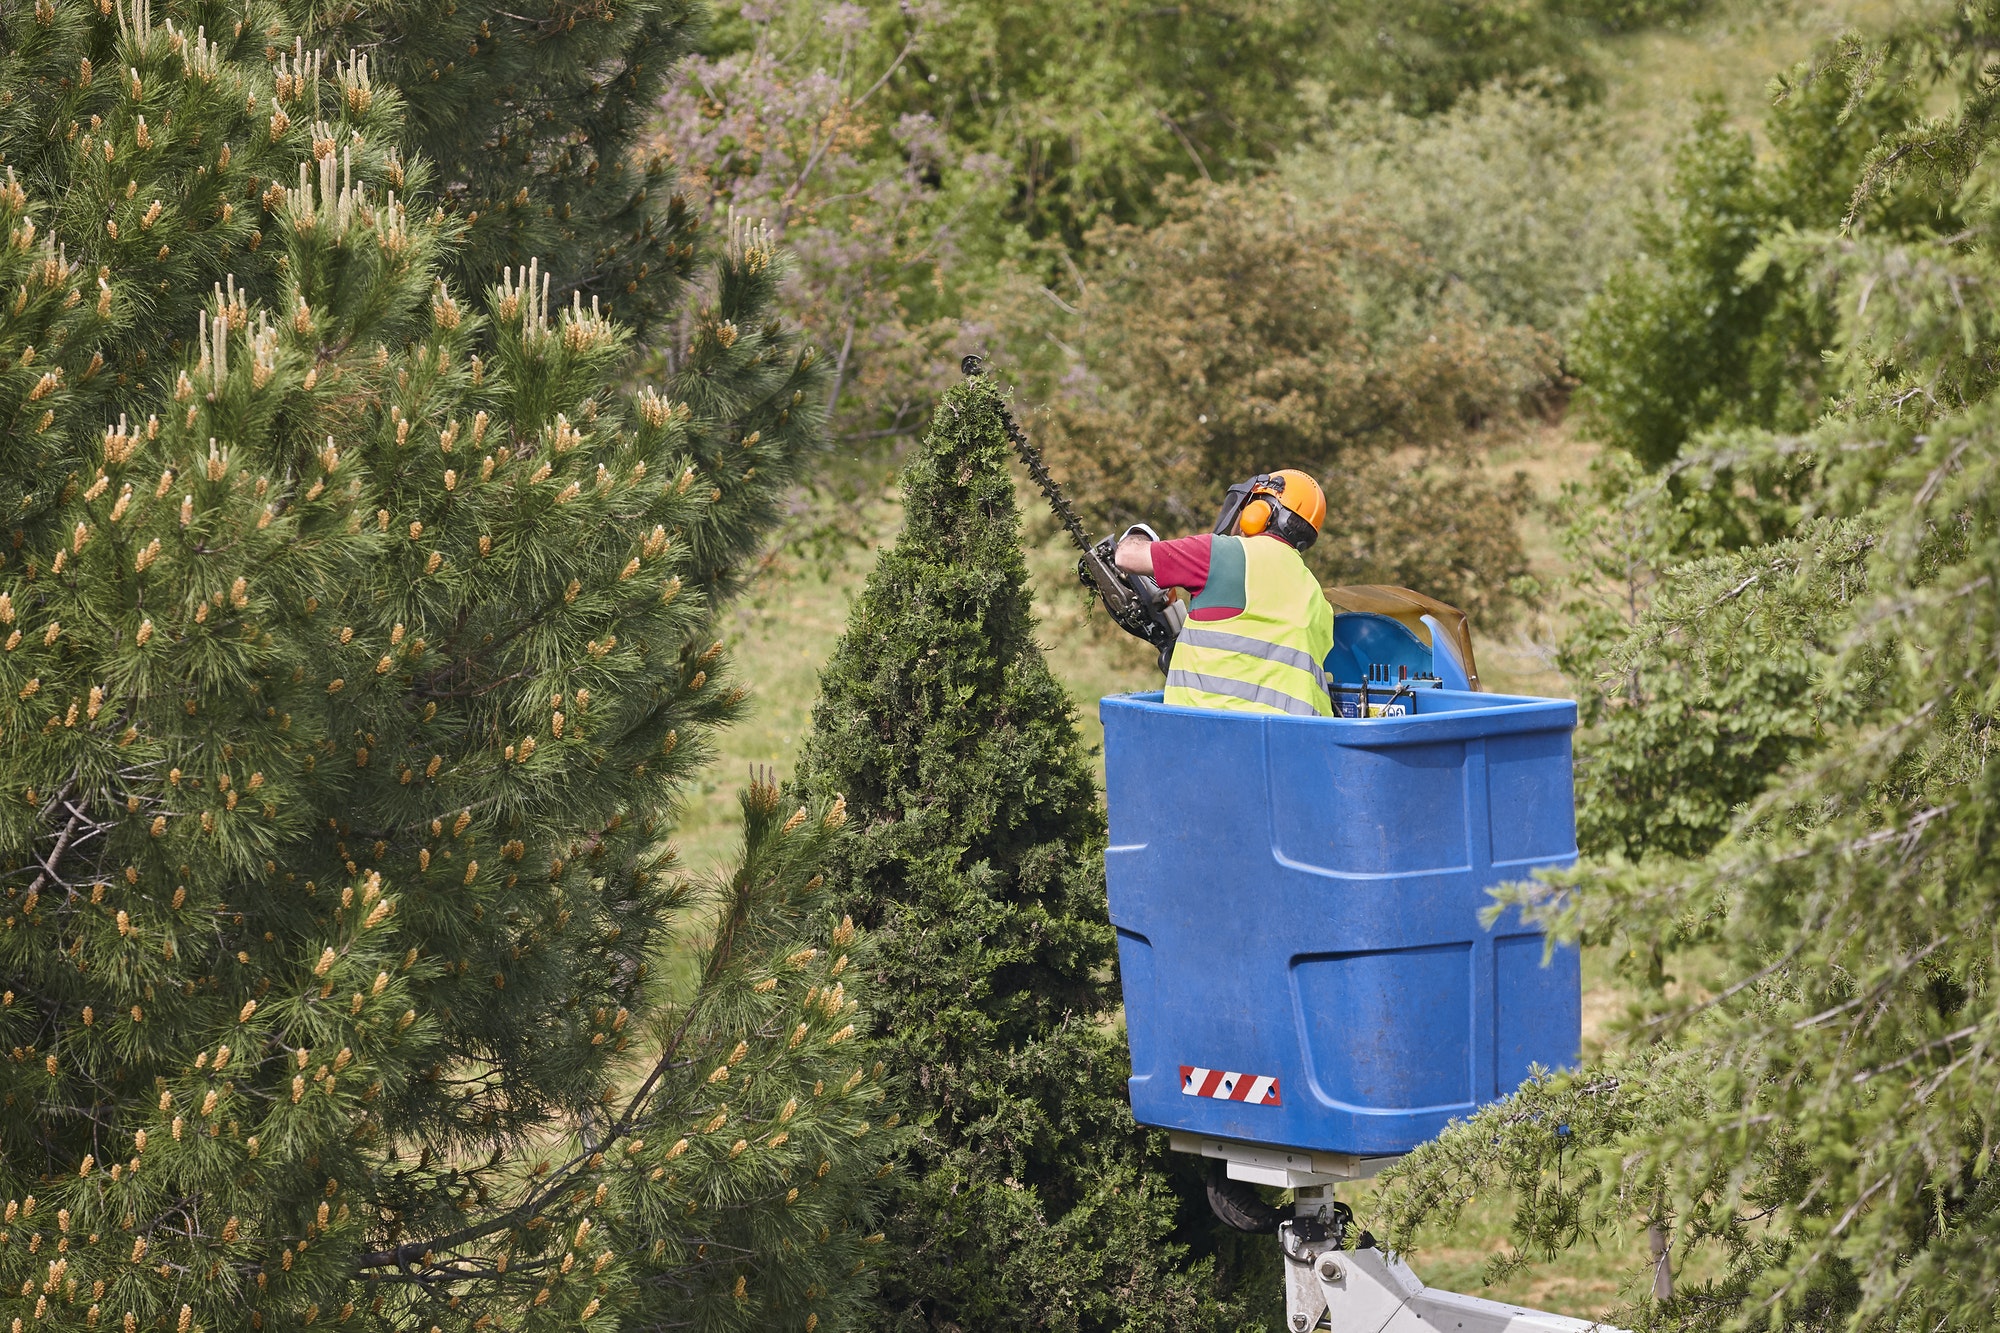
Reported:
(1312, 985)
(1298, 904)
(1311, 990)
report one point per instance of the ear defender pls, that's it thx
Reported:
(1262, 507)
(1264, 510)
(1256, 517)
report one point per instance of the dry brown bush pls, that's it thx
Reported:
(1250, 331)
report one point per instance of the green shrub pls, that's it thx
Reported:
(1513, 196)
(1691, 335)
(1423, 55)
(1616, 16)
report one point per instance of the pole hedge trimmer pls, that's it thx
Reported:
(1139, 606)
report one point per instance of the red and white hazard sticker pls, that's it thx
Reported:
(1228, 1086)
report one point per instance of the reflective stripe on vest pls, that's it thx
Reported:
(1239, 689)
(1268, 657)
(1242, 643)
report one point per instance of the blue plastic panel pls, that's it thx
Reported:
(1298, 899)
(1362, 638)
(1388, 1029)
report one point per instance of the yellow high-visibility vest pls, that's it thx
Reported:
(1268, 658)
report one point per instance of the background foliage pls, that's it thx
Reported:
(1249, 328)
(1076, 189)
(1520, 201)
(1692, 336)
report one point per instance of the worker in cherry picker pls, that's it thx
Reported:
(1258, 628)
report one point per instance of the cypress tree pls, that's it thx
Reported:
(1032, 1199)
(353, 642)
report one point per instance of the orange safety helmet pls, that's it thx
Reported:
(1288, 504)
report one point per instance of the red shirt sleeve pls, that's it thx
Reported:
(1182, 562)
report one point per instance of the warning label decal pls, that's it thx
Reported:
(1228, 1086)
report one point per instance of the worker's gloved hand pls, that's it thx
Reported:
(1157, 599)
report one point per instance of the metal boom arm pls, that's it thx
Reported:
(1369, 1291)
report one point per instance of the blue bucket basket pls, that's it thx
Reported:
(1298, 901)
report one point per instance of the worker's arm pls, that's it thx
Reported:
(1181, 562)
(1135, 555)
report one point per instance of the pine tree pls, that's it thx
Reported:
(538, 123)
(1679, 341)
(1033, 1200)
(1809, 1118)
(346, 676)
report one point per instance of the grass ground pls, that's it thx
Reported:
(782, 631)
(1656, 79)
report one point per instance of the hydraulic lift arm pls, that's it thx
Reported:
(1369, 1291)
(1363, 1289)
